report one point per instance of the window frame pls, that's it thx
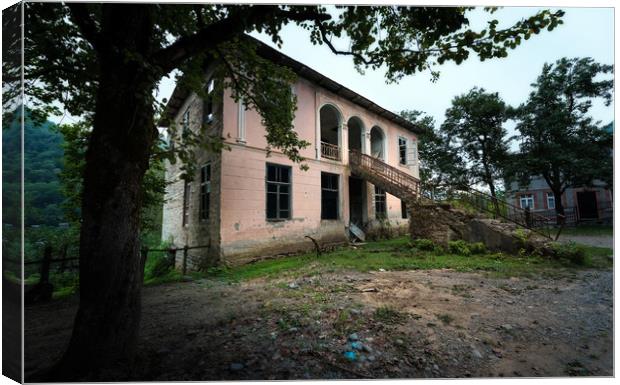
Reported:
(379, 192)
(551, 197)
(205, 191)
(402, 150)
(278, 184)
(526, 197)
(186, 202)
(331, 190)
(208, 102)
(185, 119)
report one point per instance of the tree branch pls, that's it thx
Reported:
(83, 19)
(210, 36)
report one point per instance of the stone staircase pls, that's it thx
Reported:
(407, 188)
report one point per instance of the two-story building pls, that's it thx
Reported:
(244, 204)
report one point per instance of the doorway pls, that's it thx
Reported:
(586, 202)
(356, 201)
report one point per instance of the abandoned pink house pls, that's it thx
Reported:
(243, 204)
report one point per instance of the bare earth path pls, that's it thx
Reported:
(592, 240)
(437, 323)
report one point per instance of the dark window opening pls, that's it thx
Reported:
(403, 209)
(185, 125)
(278, 192)
(402, 150)
(186, 192)
(380, 206)
(205, 191)
(329, 196)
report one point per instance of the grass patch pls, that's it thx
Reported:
(389, 315)
(445, 318)
(397, 254)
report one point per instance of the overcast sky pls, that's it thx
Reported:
(585, 32)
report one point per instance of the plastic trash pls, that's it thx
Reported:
(351, 356)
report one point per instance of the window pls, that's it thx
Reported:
(186, 196)
(550, 200)
(205, 191)
(329, 196)
(278, 192)
(380, 207)
(402, 150)
(185, 124)
(403, 209)
(208, 102)
(527, 200)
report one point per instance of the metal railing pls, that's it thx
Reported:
(526, 218)
(389, 178)
(330, 151)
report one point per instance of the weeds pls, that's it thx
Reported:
(389, 315)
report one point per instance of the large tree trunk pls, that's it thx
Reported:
(106, 326)
(559, 208)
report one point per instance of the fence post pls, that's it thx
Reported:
(45, 265)
(185, 259)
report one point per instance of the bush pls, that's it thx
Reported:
(477, 248)
(423, 244)
(158, 264)
(459, 247)
(570, 252)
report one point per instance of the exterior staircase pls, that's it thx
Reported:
(394, 181)
(407, 188)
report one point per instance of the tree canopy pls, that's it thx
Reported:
(559, 140)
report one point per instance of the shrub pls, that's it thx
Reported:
(459, 247)
(423, 244)
(158, 264)
(570, 252)
(477, 248)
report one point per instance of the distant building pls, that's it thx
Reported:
(581, 204)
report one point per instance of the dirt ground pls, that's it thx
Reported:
(407, 324)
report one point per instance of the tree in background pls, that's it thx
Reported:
(475, 128)
(559, 141)
(441, 170)
(104, 61)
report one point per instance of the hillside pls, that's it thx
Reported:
(43, 161)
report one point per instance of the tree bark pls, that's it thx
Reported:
(106, 326)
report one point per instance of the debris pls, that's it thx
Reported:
(399, 342)
(370, 290)
(355, 311)
(366, 348)
(354, 337)
(382, 270)
(507, 327)
(357, 345)
(476, 353)
(371, 358)
(351, 356)
(293, 285)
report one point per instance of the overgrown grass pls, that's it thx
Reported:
(589, 230)
(398, 254)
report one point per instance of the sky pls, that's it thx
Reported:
(585, 32)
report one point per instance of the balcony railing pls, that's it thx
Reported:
(330, 151)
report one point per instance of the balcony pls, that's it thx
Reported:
(330, 151)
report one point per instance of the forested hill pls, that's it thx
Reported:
(43, 161)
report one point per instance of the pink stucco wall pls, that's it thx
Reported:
(244, 227)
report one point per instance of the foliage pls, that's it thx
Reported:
(560, 142)
(424, 244)
(459, 247)
(571, 252)
(474, 126)
(42, 163)
(389, 316)
(440, 167)
(158, 263)
(477, 248)
(76, 137)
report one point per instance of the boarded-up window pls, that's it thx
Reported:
(205, 191)
(380, 207)
(278, 192)
(403, 209)
(329, 196)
